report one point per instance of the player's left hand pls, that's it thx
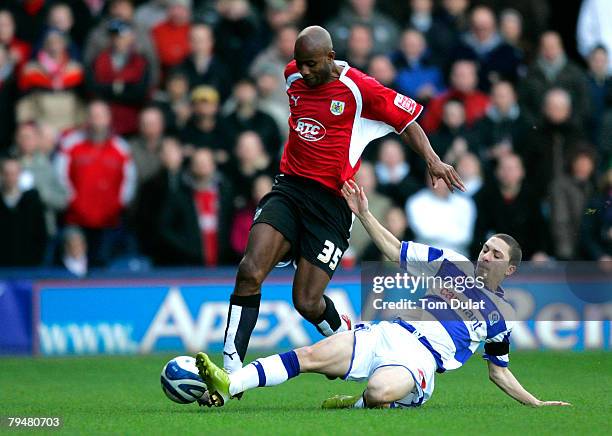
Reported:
(441, 170)
(552, 403)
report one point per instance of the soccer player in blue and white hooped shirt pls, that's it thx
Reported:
(400, 358)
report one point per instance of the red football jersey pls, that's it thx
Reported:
(330, 125)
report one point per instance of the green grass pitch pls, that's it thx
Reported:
(122, 395)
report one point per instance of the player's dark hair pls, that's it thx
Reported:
(516, 254)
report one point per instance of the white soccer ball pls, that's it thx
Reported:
(180, 380)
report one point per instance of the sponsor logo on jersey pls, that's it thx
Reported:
(405, 103)
(310, 129)
(337, 107)
(295, 99)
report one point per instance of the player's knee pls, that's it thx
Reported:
(307, 358)
(250, 276)
(378, 395)
(308, 307)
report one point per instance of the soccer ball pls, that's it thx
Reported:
(180, 380)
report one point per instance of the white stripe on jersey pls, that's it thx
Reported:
(449, 334)
(292, 78)
(364, 130)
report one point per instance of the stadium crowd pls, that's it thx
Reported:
(150, 129)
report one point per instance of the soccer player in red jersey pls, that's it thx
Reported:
(336, 111)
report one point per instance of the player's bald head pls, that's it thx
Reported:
(313, 40)
(314, 55)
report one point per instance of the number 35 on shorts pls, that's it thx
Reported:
(330, 255)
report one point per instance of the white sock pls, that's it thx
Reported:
(268, 371)
(231, 359)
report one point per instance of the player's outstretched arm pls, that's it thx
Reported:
(357, 201)
(416, 137)
(506, 381)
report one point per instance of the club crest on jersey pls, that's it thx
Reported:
(494, 317)
(337, 107)
(310, 129)
(405, 103)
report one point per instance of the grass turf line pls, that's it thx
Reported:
(97, 395)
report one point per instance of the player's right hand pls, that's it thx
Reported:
(355, 197)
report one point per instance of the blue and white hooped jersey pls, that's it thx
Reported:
(454, 335)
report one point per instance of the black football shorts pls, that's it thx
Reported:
(316, 222)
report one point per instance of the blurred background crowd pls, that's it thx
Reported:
(147, 131)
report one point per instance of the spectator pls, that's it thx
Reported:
(151, 13)
(18, 51)
(393, 172)
(600, 90)
(60, 17)
(439, 33)
(416, 77)
(152, 194)
(379, 205)
(283, 13)
(37, 172)
(441, 219)
(453, 138)
(238, 32)
(536, 15)
(120, 75)
(552, 69)
(511, 30)
(202, 66)
(8, 95)
(384, 31)
(250, 161)
(97, 169)
(503, 128)
(395, 221)
(271, 101)
(568, 197)
(243, 219)
(146, 146)
(454, 15)
(463, 80)
(50, 83)
(596, 234)
(468, 168)
(195, 221)
(204, 129)
(383, 70)
(247, 116)
(482, 44)
(174, 102)
(99, 37)
(507, 205)
(74, 256)
(48, 139)
(171, 36)
(548, 148)
(359, 47)
(22, 222)
(593, 28)
(274, 59)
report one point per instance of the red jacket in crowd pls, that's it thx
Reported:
(475, 104)
(100, 178)
(125, 90)
(171, 43)
(65, 74)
